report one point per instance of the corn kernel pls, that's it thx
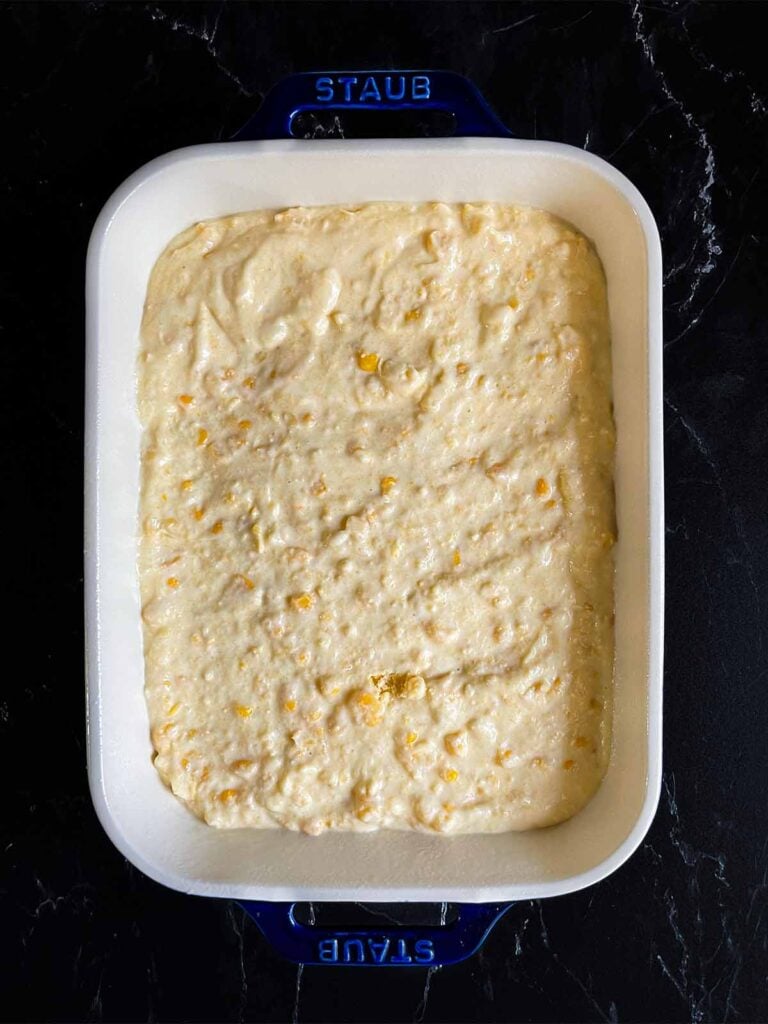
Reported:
(413, 314)
(185, 485)
(198, 514)
(513, 303)
(569, 764)
(462, 368)
(550, 504)
(368, 362)
(191, 733)
(366, 699)
(450, 774)
(542, 487)
(457, 557)
(172, 582)
(217, 527)
(244, 711)
(185, 763)
(172, 710)
(249, 382)
(289, 705)
(239, 766)
(387, 483)
(245, 580)
(411, 738)
(245, 424)
(537, 762)
(205, 773)
(202, 437)
(227, 795)
(186, 399)
(302, 602)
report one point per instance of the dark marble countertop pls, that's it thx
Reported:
(674, 95)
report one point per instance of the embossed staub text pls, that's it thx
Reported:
(372, 89)
(375, 951)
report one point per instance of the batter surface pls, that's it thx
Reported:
(377, 518)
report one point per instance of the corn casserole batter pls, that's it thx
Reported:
(377, 518)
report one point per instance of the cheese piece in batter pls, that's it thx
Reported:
(377, 518)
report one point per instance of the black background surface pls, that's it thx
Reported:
(675, 95)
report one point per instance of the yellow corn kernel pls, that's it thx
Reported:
(249, 382)
(202, 437)
(319, 487)
(413, 314)
(239, 766)
(542, 487)
(550, 504)
(199, 513)
(167, 683)
(457, 557)
(205, 773)
(462, 368)
(217, 527)
(227, 795)
(569, 764)
(245, 580)
(191, 733)
(244, 711)
(186, 399)
(366, 699)
(537, 762)
(513, 303)
(289, 705)
(185, 485)
(450, 774)
(172, 582)
(387, 483)
(411, 738)
(302, 602)
(172, 710)
(530, 273)
(185, 763)
(368, 362)
(245, 424)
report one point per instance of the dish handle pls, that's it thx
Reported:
(394, 946)
(373, 90)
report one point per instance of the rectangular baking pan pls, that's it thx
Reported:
(141, 816)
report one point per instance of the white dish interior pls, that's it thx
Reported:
(145, 821)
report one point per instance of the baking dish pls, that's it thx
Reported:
(144, 820)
